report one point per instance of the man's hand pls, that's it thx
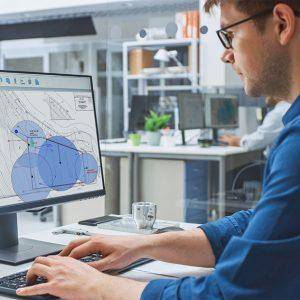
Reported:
(121, 251)
(68, 278)
(117, 251)
(231, 140)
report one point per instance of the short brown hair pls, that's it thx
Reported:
(252, 7)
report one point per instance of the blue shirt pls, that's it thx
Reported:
(257, 251)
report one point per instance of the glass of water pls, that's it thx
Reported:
(144, 214)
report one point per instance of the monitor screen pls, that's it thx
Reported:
(48, 140)
(221, 111)
(140, 108)
(191, 111)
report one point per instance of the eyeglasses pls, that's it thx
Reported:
(227, 36)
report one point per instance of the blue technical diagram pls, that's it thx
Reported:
(61, 154)
(31, 133)
(86, 168)
(48, 163)
(26, 178)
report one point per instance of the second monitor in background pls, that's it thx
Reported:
(213, 111)
(140, 107)
(221, 112)
(191, 111)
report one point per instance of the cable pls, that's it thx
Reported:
(255, 163)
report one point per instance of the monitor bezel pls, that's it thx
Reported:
(13, 208)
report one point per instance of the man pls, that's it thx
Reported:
(267, 132)
(256, 253)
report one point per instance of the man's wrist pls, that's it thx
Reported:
(148, 245)
(127, 289)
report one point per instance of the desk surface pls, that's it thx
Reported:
(147, 272)
(183, 150)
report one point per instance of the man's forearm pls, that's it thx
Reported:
(187, 247)
(126, 289)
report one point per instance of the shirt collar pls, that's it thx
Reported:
(293, 112)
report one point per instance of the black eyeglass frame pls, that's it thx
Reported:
(223, 34)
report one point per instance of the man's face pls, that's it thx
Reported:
(256, 57)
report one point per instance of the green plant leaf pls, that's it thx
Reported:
(154, 122)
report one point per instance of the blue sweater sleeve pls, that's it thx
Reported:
(218, 233)
(262, 260)
(221, 231)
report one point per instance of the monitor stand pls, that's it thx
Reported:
(215, 139)
(14, 251)
(183, 137)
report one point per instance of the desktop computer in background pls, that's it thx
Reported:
(141, 107)
(221, 112)
(49, 151)
(201, 111)
(212, 111)
(191, 113)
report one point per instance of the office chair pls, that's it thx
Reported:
(246, 187)
(251, 171)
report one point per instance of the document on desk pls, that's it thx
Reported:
(174, 270)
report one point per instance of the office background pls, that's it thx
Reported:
(118, 43)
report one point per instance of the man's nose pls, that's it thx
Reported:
(228, 56)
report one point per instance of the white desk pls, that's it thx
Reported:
(223, 155)
(153, 270)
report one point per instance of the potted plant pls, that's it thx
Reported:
(135, 139)
(153, 124)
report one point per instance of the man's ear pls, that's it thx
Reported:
(285, 22)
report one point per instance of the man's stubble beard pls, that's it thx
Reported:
(275, 79)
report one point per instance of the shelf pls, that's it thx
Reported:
(164, 42)
(160, 76)
(173, 88)
(190, 76)
(117, 74)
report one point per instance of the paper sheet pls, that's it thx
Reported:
(174, 270)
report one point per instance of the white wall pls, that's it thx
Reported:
(160, 182)
(213, 71)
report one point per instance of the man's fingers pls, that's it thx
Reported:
(104, 264)
(39, 289)
(84, 250)
(47, 261)
(66, 251)
(37, 270)
(57, 259)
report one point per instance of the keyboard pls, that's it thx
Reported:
(9, 284)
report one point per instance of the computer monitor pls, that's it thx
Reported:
(49, 149)
(140, 107)
(191, 112)
(168, 105)
(221, 111)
